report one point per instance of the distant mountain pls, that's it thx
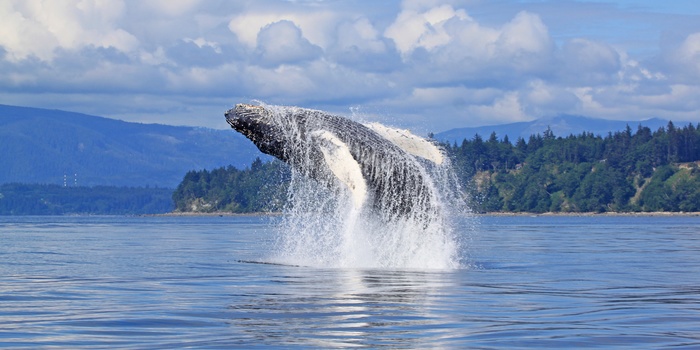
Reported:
(563, 125)
(43, 146)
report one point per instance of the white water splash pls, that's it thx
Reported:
(324, 227)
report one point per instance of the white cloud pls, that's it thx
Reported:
(38, 27)
(677, 102)
(210, 81)
(585, 62)
(525, 33)
(23, 36)
(172, 8)
(458, 95)
(687, 56)
(447, 46)
(283, 83)
(360, 35)
(316, 25)
(441, 63)
(690, 49)
(202, 43)
(360, 45)
(157, 57)
(544, 99)
(505, 109)
(453, 35)
(282, 43)
(413, 29)
(525, 39)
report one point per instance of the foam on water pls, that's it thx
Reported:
(325, 225)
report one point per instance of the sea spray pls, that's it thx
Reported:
(411, 226)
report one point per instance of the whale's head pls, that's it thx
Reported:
(248, 119)
(257, 124)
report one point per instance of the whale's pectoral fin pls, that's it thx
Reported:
(337, 157)
(410, 143)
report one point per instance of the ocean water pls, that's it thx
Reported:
(204, 282)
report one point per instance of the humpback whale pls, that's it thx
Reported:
(381, 168)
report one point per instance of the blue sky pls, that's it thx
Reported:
(425, 65)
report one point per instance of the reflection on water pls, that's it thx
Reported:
(331, 308)
(182, 282)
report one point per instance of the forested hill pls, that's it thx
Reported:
(262, 187)
(640, 170)
(631, 170)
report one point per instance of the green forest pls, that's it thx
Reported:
(36, 199)
(622, 172)
(262, 187)
(628, 171)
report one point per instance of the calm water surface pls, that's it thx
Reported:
(531, 282)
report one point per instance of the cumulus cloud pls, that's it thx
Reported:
(283, 43)
(447, 46)
(360, 45)
(526, 41)
(37, 27)
(690, 49)
(317, 25)
(584, 63)
(172, 8)
(439, 63)
(545, 99)
(453, 35)
(413, 29)
(200, 52)
(360, 35)
(684, 61)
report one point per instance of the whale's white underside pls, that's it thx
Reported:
(337, 156)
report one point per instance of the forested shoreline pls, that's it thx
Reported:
(41, 199)
(642, 171)
(627, 171)
(262, 187)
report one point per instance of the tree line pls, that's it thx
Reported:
(262, 187)
(40, 199)
(624, 171)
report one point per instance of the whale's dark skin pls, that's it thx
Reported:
(396, 184)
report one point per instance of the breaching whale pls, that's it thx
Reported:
(381, 167)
